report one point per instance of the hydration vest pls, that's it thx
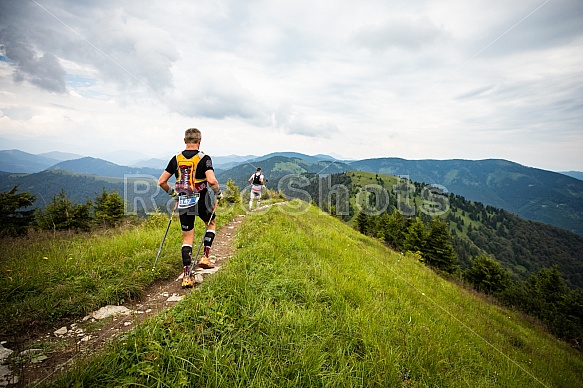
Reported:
(186, 182)
(257, 179)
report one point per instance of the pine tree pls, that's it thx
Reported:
(15, 222)
(394, 229)
(362, 223)
(415, 237)
(439, 251)
(109, 208)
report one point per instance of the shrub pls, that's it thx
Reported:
(62, 214)
(487, 275)
(232, 192)
(109, 208)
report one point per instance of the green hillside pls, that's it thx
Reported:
(521, 246)
(531, 193)
(308, 301)
(277, 167)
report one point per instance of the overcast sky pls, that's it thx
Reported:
(433, 79)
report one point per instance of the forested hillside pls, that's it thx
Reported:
(141, 194)
(530, 193)
(278, 167)
(521, 246)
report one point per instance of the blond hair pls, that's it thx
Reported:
(192, 135)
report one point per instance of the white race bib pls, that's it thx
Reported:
(185, 201)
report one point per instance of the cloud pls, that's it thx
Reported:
(441, 78)
(404, 33)
(124, 49)
(294, 123)
(479, 92)
(217, 94)
(17, 113)
(130, 51)
(532, 26)
(44, 71)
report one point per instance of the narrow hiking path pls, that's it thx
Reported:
(82, 337)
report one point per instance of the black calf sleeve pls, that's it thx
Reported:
(186, 255)
(209, 236)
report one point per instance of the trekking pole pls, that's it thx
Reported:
(163, 239)
(194, 261)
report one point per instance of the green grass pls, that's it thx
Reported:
(307, 301)
(46, 277)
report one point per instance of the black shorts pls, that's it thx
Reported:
(203, 209)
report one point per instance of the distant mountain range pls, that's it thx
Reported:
(23, 162)
(530, 193)
(100, 167)
(574, 174)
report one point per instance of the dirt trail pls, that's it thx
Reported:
(78, 341)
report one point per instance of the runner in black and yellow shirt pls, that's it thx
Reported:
(194, 176)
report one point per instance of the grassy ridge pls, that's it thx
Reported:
(307, 301)
(44, 278)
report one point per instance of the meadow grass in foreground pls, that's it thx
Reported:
(309, 302)
(46, 277)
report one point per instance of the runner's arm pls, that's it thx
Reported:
(212, 181)
(163, 181)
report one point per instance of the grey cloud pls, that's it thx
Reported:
(407, 34)
(221, 106)
(294, 46)
(300, 127)
(130, 51)
(555, 23)
(18, 113)
(294, 124)
(547, 106)
(479, 92)
(44, 71)
(220, 99)
(125, 49)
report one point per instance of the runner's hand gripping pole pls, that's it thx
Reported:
(163, 239)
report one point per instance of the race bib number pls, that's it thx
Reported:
(185, 201)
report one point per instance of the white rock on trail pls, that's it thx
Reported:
(174, 298)
(207, 271)
(6, 376)
(4, 353)
(62, 331)
(109, 311)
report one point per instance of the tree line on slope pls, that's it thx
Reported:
(17, 216)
